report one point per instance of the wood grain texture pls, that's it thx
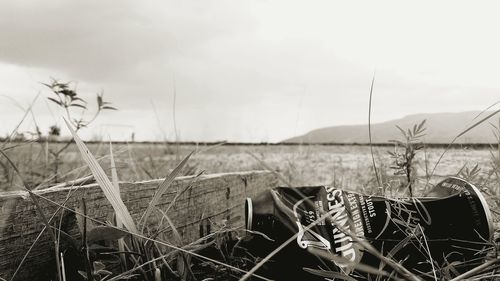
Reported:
(212, 197)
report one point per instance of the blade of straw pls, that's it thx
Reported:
(102, 179)
(459, 135)
(9, 137)
(477, 123)
(429, 252)
(114, 178)
(162, 189)
(476, 269)
(370, 131)
(119, 223)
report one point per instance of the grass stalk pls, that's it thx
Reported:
(174, 119)
(102, 179)
(162, 188)
(88, 264)
(119, 223)
(63, 271)
(132, 161)
(370, 132)
(459, 135)
(476, 270)
(429, 252)
(26, 112)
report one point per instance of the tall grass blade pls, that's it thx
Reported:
(162, 189)
(483, 111)
(174, 119)
(177, 236)
(119, 223)
(132, 162)
(9, 137)
(160, 128)
(370, 132)
(459, 135)
(182, 259)
(102, 179)
(85, 249)
(476, 269)
(477, 123)
(114, 178)
(429, 253)
(63, 268)
(190, 184)
(157, 274)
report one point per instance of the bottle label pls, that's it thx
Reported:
(327, 221)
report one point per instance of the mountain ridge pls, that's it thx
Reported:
(441, 128)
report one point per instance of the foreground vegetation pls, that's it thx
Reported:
(347, 166)
(408, 168)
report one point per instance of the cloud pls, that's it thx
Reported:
(253, 70)
(97, 40)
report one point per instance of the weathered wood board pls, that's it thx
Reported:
(215, 197)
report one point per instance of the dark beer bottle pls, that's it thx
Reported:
(328, 227)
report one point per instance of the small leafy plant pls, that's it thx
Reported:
(469, 174)
(69, 100)
(404, 153)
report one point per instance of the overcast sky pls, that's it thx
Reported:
(247, 70)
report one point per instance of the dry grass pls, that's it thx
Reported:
(349, 166)
(215, 255)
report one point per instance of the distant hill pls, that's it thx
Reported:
(441, 128)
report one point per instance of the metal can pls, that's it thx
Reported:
(331, 229)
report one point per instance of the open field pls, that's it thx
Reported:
(347, 166)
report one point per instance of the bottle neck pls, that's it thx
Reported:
(256, 221)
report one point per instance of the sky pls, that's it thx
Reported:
(247, 71)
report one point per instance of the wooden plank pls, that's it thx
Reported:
(212, 197)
